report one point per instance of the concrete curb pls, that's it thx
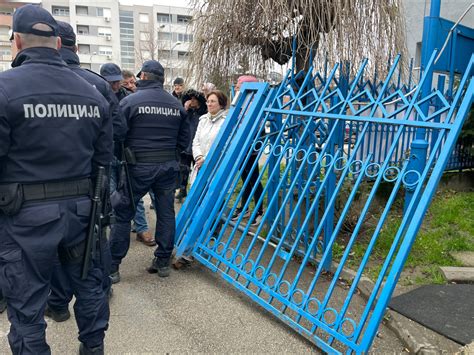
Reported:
(402, 327)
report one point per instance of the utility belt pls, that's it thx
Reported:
(153, 156)
(13, 195)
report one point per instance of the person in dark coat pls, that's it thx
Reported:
(55, 135)
(178, 88)
(194, 103)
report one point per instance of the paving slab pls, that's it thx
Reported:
(458, 274)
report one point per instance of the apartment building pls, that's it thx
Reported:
(156, 32)
(128, 35)
(96, 27)
(7, 49)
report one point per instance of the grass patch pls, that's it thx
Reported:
(448, 226)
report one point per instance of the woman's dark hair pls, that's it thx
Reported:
(221, 97)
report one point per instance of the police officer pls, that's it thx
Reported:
(54, 133)
(61, 292)
(157, 129)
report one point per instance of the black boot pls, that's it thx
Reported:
(97, 350)
(57, 315)
(160, 267)
(114, 274)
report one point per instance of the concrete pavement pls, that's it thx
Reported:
(193, 310)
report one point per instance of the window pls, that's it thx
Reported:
(184, 37)
(144, 36)
(164, 36)
(105, 50)
(104, 32)
(6, 11)
(183, 55)
(4, 30)
(104, 12)
(82, 10)
(5, 51)
(82, 30)
(60, 11)
(163, 53)
(184, 19)
(163, 17)
(84, 49)
(144, 18)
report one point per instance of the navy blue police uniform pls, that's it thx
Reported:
(54, 133)
(157, 129)
(61, 291)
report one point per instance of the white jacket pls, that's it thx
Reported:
(206, 133)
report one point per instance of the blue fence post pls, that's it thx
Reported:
(419, 147)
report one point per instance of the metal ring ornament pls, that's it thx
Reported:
(297, 293)
(281, 289)
(324, 160)
(301, 154)
(277, 150)
(354, 164)
(231, 256)
(211, 243)
(414, 183)
(310, 158)
(372, 166)
(344, 332)
(267, 149)
(248, 266)
(338, 160)
(238, 259)
(289, 151)
(310, 308)
(325, 312)
(254, 146)
(320, 246)
(270, 280)
(388, 170)
(259, 272)
(220, 248)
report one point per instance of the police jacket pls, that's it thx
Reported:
(118, 121)
(156, 121)
(52, 125)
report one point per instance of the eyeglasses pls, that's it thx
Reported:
(211, 101)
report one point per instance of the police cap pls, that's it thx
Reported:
(111, 72)
(66, 32)
(27, 16)
(153, 67)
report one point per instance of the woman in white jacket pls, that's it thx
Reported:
(209, 125)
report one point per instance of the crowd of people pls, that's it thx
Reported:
(60, 125)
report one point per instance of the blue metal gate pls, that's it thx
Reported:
(322, 151)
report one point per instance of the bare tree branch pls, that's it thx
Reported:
(238, 36)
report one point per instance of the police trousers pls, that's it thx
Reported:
(30, 241)
(161, 179)
(61, 290)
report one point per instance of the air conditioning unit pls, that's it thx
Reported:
(108, 37)
(109, 56)
(107, 19)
